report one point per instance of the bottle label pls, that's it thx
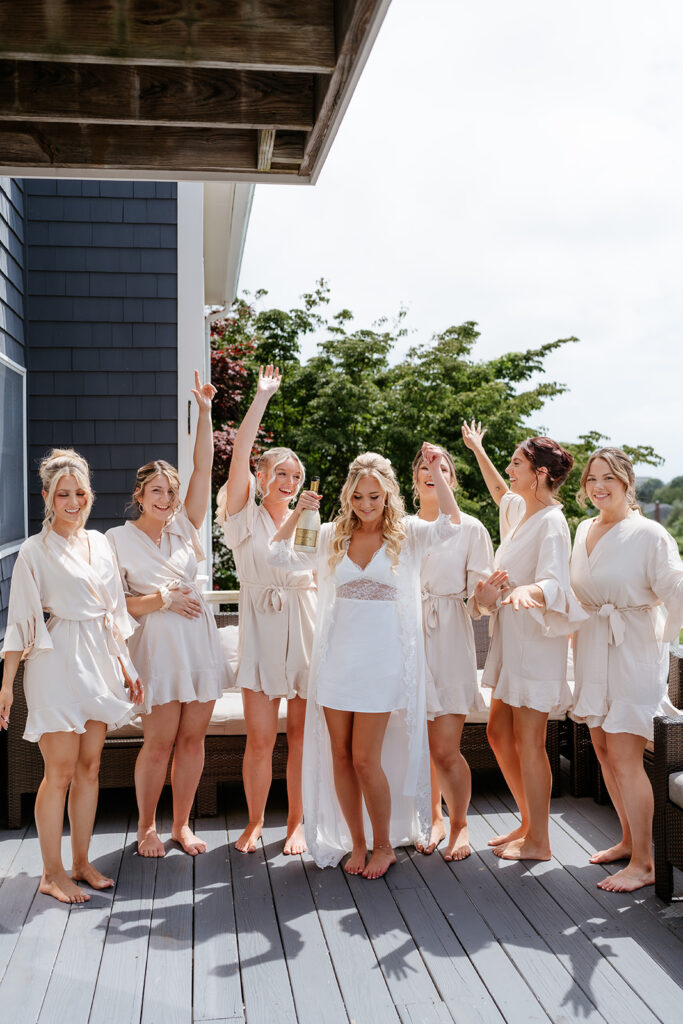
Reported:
(306, 538)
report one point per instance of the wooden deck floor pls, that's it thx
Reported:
(273, 940)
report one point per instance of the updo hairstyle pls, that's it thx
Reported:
(622, 467)
(545, 454)
(58, 463)
(418, 461)
(347, 522)
(268, 463)
(158, 467)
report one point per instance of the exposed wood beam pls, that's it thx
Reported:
(357, 24)
(266, 141)
(288, 149)
(42, 91)
(275, 35)
(66, 146)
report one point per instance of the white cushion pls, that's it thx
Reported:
(227, 719)
(676, 788)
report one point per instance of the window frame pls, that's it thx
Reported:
(13, 546)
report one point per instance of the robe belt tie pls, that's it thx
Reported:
(115, 641)
(272, 596)
(614, 616)
(430, 607)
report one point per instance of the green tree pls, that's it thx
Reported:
(646, 490)
(671, 492)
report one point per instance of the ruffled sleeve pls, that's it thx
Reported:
(562, 613)
(112, 536)
(511, 511)
(26, 629)
(423, 535)
(238, 527)
(665, 573)
(479, 567)
(281, 553)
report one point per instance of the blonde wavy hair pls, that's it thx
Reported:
(347, 522)
(58, 463)
(622, 467)
(269, 461)
(158, 467)
(419, 460)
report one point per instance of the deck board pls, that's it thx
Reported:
(228, 938)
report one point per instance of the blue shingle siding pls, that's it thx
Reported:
(101, 312)
(12, 336)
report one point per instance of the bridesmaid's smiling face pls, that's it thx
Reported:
(282, 484)
(368, 500)
(425, 481)
(523, 479)
(603, 489)
(158, 498)
(68, 502)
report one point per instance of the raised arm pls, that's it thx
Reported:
(444, 493)
(237, 490)
(199, 490)
(473, 436)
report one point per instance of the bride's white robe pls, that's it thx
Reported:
(527, 661)
(405, 753)
(621, 652)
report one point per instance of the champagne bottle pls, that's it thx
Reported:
(308, 528)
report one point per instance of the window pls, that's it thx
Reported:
(13, 510)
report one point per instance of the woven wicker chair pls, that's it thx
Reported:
(668, 821)
(586, 776)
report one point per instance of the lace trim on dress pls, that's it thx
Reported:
(367, 590)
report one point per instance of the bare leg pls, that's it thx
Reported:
(347, 785)
(186, 771)
(445, 734)
(367, 742)
(501, 736)
(60, 754)
(438, 833)
(296, 716)
(625, 753)
(622, 849)
(530, 729)
(83, 805)
(260, 715)
(160, 728)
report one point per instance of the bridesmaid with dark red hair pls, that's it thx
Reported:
(533, 612)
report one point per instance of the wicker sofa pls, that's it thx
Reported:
(668, 787)
(224, 746)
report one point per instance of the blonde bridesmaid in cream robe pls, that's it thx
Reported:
(450, 572)
(534, 613)
(627, 574)
(276, 616)
(76, 665)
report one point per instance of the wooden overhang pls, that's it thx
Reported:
(232, 90)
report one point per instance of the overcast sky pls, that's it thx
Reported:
(521, 165)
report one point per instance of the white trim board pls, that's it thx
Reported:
(12, 546)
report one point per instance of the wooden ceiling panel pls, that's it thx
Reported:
(246, 89)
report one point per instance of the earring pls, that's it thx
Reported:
(533, 486)
(140, 507)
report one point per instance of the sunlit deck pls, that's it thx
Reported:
(265, 938)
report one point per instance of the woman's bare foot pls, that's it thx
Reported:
(295, 842)
(188, 840)
(619, 852)
(437, 836)
(62, 888)
(248, 841)
(628, 879)
(523, 849)
(355, 865)
(91, 876)
(458, 844)
(517, 833)
(382, 858)
(149, 844)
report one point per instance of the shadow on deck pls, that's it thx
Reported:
(269, 939)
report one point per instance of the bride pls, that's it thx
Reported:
(365, 736)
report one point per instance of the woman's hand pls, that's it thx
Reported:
(525, 597)
(268, 381)
(432, 456)
(473, 435)
(203, 393)
(185, 603)
(137, 691)
(307, 500)
(6, 701)
(488, 591)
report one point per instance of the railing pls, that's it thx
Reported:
(220, 597)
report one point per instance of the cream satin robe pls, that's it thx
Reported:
(73, 672)
(276, 608)
(527, 661)
(178, 658)
(621, 652)
(450, 571)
